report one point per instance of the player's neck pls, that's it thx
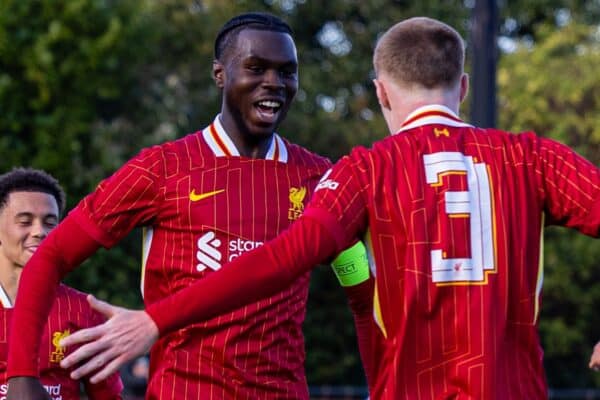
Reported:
(424, 98)
(251, 146)
(254, 150)
(247, 144)
(403, 100)
(9, 279)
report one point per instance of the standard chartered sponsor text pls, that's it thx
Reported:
(53, 391)
(209, 252)
(239, 246)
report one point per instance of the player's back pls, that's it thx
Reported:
(455, 217)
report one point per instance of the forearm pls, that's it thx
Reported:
(360, 299)
(352, 270)
(65, 247)
(250, 277)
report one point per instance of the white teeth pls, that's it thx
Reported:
(269, 103)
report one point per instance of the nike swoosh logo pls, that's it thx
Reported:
(198, 197)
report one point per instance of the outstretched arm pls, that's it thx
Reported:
(250, 277)
(352, 270)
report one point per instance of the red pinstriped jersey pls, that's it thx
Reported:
(453, 216)
(203, 205)
(70, 312)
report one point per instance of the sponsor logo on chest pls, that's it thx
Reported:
(53, 390)
(216, 248)
(209, 251)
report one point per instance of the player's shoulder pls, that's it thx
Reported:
(510, 136)
(302, 156)
(525, 142)
(64, 292)
(466, 136)
(172, 154)
(190, 143)
(359, 158)
(69, 299)
(73, 304)
(379, 148)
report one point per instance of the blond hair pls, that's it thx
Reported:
(421, 51)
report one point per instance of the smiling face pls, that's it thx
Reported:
(25, 221)
(259, 78)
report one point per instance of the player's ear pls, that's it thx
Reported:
(464, 86)
(382, 95)
(218, 73)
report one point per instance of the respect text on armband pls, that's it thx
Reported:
(345, 269)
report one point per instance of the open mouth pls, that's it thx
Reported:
(268, 109)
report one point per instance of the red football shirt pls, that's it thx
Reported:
(70, 312)
(453, 220)
(453, 217)
(204, 205)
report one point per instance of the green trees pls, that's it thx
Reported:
(84, 84)
(68, 73)
(553, 89)
(66, 67)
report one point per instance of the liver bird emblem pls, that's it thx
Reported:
(297, 196)
(59, 352)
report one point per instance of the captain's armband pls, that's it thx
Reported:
(351, 266)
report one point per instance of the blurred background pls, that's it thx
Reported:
(85, 84)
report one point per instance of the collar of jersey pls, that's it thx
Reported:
(4, 299)
(222, 146)
(432, 114)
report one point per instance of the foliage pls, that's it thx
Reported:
(571, 296)
(64, 66)
(553, 89)
(67, 70)
(523, 19)
(335, 41)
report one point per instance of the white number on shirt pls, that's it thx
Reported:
(476, 203)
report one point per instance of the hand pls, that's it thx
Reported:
(595, 359)
(125, 335)
(26, 388)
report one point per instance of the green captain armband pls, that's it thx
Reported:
(351, 266)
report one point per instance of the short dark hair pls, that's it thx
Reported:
(421, 51)
(251, 20)
(22, 179)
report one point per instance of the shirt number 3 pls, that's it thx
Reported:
(476, 203)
